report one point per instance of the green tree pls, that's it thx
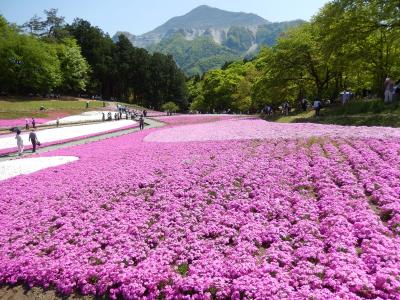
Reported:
(97, 48)
(364, 36)
(170, 107)
(27, 64)
(74, 68)
(35, 26)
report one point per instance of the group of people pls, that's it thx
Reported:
(32, 138)
(346, 96)
(128, 114)
(33, 122)
(391, 89)
(286, 107)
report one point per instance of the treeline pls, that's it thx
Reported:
(33, 64)
(349, 44)
(50, 56)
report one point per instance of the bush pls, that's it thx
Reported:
(170, 107)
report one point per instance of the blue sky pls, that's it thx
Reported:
(140, 16)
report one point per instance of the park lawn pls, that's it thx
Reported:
(357, 113)
(18, 108)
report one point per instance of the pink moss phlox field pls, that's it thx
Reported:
(241, 129)
(154, 113)
(20, 122)
(52, 115)
(176, 120)
(307, 218)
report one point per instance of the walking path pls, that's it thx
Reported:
(66, 133)
(150, 123)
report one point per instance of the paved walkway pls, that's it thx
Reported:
(150, 123)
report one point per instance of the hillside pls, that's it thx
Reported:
(207, 37)
(195, 56)
(357, 113)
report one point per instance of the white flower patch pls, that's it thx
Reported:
(65, 133)
(12, 168)
(89, 116)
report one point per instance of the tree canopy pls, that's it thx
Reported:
(49, 56)
(348, 45)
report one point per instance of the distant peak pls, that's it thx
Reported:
(204, 7)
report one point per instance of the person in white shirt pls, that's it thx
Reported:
(20, 143)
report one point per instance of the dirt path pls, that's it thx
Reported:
(22, 293)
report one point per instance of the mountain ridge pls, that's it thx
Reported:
(215, 32)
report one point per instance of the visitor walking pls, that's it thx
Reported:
(20, 142)
(304, 104)
(33, 123)
(34, 140)
(141, 123)
(317, 106)
(58, 122)
(26, 124)
(87, 104)
(286, 108)
(389, 88)
(346, 97)
(103, 117)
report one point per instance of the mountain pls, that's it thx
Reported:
(195, 56)
(207, 37)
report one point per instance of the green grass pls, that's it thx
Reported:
(358, 113)
(20, 108)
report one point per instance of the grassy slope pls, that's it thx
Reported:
(359, 113)
(20, 108)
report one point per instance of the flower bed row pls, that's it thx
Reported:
(20, 122)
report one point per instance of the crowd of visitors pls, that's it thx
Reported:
(121, 113)
(391, 94)
(391, 90)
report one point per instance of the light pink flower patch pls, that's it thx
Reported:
(21, 122)
(240, 129)
(176, 120)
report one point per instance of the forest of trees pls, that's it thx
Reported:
(50, 56)
(349, 44)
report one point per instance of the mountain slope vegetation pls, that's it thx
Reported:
(207, 37)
